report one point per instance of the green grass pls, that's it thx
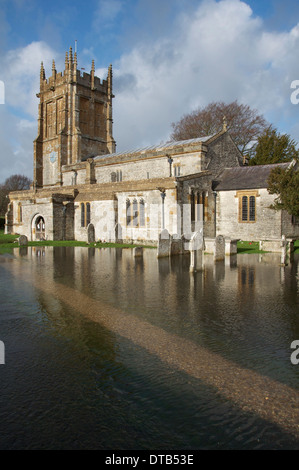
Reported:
(248, 247)
(8, 243)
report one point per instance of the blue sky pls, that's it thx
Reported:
(169, 57)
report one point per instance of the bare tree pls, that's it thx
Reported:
(12, 183)
(243, 123)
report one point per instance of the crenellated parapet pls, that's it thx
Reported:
(74, 120)
(73, 75)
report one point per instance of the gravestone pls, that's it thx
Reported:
(90, 234)
(219, 248)
(196, 247)
(23, 240)
(176, 245)
(164, 244)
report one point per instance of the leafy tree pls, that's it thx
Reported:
(12, 183)
(244, 123)
(285, 184)
(273, 147)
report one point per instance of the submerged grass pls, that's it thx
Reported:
(9, 242)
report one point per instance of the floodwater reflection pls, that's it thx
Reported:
(227, 329)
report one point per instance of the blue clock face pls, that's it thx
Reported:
(53, 156)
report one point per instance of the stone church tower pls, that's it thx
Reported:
(74, 120)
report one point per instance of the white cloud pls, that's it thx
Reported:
(21, 74)
(106, 13)
(220, 52)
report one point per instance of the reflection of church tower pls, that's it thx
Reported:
(74, 120)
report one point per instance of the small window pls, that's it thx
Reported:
(252, 208)
(85, 214)
(128, 213)
(247, 207)
(135, 213)
(177, 170)
(141, 213)
(19, 212)
(244, 208)
(82, 214)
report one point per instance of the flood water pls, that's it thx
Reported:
(110, 352)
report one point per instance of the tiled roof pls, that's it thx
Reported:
(245, 177)
(155, 148)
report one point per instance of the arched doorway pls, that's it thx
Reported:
(40, 232)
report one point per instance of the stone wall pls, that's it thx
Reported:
(266, 226)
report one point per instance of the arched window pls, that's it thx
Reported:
(244, 208)
(19, 212)
(85, 214)
(252, 208)
(82, 214)
(135, 213)
(192, 201)
(247, 207)
(128, 213)
(141, 213)
(113, 177)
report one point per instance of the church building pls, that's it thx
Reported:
(84, 190)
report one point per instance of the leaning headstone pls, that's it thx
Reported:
(176, 245)
(219, 248)
(164, 244)
(90, 233)
(23, 240)
(186, 237)
(196, 247)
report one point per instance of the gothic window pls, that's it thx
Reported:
(60, 115)
(113, 177)
(177, 170)
(84, 115)
(204, 203)
(247, 207)
(19, 213)
(82, 214)
(141, 213)
(50, 119)
(128, 213)
(135, 213)
(252, 208)
(192, 201)
(85, 214)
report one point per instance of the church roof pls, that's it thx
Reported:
(156, 148)
(246, 177)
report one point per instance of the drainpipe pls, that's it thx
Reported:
(170, 161)
(215, 211)
(163, 194)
